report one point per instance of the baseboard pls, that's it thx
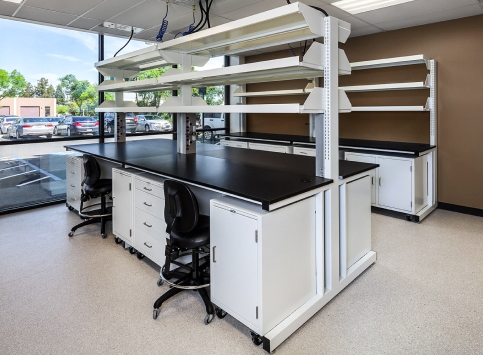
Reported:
(461, 209)
(390, 213)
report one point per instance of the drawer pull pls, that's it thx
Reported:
(147, 204)
(303, 153)
(147, 225)
(149, 246)
(72, 199)
(145, 188)
(72, 172)
(72, 185)
(214, 260)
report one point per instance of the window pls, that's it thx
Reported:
(47, 111)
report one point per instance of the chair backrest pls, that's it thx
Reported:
(180, 207)
(92, 171)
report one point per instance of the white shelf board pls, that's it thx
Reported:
(271, 93)
(285, 24)
(389, 108)
(386, 87)
(391, 62)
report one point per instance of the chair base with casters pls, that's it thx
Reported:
(196, 278)
(102, 215)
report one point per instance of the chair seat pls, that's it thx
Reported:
(196, 238)
(101, 187)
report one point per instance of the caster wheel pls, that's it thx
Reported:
(220, 313)
(104, 236)
(140, 256)
(71, 234)
(209, 318)
(132, 250)
(70, 208)
(155, 313)
(160, 282)
(118, 240)
(256, 339)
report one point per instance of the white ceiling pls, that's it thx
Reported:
(89, 15)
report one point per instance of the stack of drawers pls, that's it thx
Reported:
(74, 175)
(149, 225)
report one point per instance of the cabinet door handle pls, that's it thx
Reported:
(372, 180)
(72, 185)
(149, 246)
(145, 188)
(379, 181)
(303, 153)
(147, 225)
(147, 204)
(214, 260)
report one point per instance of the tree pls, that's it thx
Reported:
(73, 108)
(11, 85)
(59, 95)
(151, 98)
(62, 110)
(43, 89)
(29, 91)
(214, 95)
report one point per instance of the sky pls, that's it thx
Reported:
(38, 51)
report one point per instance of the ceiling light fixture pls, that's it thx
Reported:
(15, 1)
(357, 6)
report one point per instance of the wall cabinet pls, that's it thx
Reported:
(250, 275)
(400, 183)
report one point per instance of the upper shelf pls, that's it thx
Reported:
(285, 24)
(311, 66)
(384, 87)
(391, 62)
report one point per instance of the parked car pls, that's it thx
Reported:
(6, 122)
(31, 126)
(55, 121)
(109, 118)
(146, 123)
(72, 125)
(212, 120)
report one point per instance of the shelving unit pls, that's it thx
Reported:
(322, 63)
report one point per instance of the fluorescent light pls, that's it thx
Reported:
(15, 1)
(358, 6)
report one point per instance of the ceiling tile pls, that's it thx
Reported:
(221, 7)
(7, 8)
(465, 11)
(366, 30)
(150, 13)
(45, 16)
(409, 9)
(354, 21)
(246, 11)
(85, 23)
(110, 8)
(68, 7)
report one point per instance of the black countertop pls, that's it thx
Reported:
(260, 176)
(362, 144)
(350, 168)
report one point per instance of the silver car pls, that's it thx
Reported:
(7, 122)
(146, 123)
(31, 127)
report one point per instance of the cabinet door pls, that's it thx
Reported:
(234, 263)
(366, 159)
(122, 202)
(394, 181)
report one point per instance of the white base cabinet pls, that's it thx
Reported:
(122, 182)
(255, 257)
(399, 183)
(233, 143)
(74, 171)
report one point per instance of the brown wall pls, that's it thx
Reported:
(458, 50)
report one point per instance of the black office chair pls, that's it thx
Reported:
(189, 233)
(93, 187)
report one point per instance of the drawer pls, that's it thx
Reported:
(304, 151)
(73, 161)
(74, 172)
(270, 147)
(149, 203)
(151, 247)
(149, 186)
(149, 224)
(235, 144)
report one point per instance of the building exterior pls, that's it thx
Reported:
(27, 106)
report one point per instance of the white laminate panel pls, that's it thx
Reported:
(149, 203)
(270, 147)
(304, 151)
(149, 224)
(153, 187)
(236, 144)
(150, 246)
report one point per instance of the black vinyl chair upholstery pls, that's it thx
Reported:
(187, 232)
(93, 187)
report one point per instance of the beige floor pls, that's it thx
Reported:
(86, 295)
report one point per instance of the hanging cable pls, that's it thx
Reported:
(292, 51)
(207, 16)
(164, 25)
(202, 13)
(191, 27)
(129, 40)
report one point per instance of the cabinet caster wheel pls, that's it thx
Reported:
(118, 240)
(209, 318)
(104, 236)
(132, 250)
(140, 256)
(160, 282)
(70, 208)
(256, 339)
(220, 313)
(155, 313)
(71, 234)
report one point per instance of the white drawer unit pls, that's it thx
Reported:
(234, 143)
(270, 147)
(74, 171)
(400, 183)
(122, 193)
(304, 151)
(258, 293)
(149, 185)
